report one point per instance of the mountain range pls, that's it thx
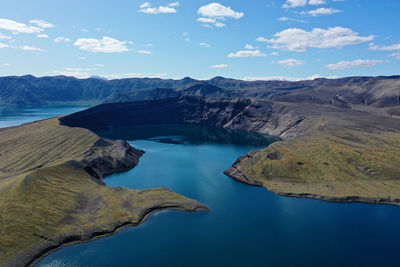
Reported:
(29, 90)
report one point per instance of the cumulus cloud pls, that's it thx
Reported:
(42, 35)
(355, 63)
(294, 3)
(291, 62)
(385, 48)
(30, 48)
(146, 52)
(133, 75)
(62, 40)
(247, 53)
(300, 3)
(6, 64)
(316, 2)
(261, 39)
(75, 72)
(206, 45)
(295, 39)
(215, 14)
(250, 47)
(284, 78)
(2, 37)
(41, 23)
(219, 66)
(321, 11)
(18, 27)
(174, 4)
(3, 45)
(147, 8)
(105, 45)
(395, 55)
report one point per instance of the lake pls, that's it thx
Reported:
(246, 226)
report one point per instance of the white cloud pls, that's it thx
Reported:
(321, 11)
(219, 24)
(395, 55)
(3, 45)
(6, 64)
(295, 39)
(250, 47)
(174, 4)
(283, 19)
(215, 13)
(316, 2)
(206, 45)
(385, 48)
(105, 45)
(148, 9)
(291, 62)
(62, 39)
(187, 39)
(41, 23)
(261, 39)
(146, 52)
(75, 72)
(207, 20)
(17, 27)
(247, 53)
(133, 75)
(299, 3)
(99, 65)
(355, 63)
(2, 37)
(145, 4)
(284, 78)
(30, 48)
(42, 35)
(294, 3)
(219, 66)
(274, 54)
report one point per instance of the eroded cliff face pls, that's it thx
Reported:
(51, 190)
(329, 152)
(239, 114)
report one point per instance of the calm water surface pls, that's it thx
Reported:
(13, 116)
(247, 226)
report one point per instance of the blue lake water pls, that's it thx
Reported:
(247, 226)
(12, 116)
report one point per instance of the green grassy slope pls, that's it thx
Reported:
(350, 156)
(48, 199)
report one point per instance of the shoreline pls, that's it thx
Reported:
(79, 172)
(117, 229)
(239, 176)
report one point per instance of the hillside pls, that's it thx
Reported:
(52, 193)
(327, 152)
(374, 91)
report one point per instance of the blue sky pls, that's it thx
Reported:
(281, 39)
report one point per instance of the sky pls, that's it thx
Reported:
(252, 40)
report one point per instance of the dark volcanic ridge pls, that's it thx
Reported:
(371, 91)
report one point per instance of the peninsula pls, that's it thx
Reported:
(52, 193)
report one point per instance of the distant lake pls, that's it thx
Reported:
(14, 115)
(247, 226)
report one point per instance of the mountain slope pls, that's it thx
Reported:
(374, 91)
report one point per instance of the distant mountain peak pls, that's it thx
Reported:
(98, 77)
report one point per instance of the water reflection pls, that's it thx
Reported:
(189, 134)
